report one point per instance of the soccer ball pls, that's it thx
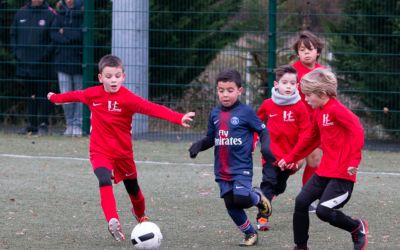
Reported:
(146, 235)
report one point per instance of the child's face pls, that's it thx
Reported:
(316, 101)
(308, 56)
(228, 93)
(287, 84)
(112, 78)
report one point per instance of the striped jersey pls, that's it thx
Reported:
(233, 129)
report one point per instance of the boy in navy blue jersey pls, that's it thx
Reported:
(231, 127)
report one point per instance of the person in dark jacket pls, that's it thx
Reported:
(67, 37)
(32, 48)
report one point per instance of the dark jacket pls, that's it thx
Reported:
(68, 54)
(31, 41)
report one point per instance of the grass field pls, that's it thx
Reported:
(49, 200)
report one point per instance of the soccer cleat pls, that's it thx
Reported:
(262, 223)
(264, 206)
(141, 219)
(359, 236)
(144, 218)
(249, 240)
(114, 227)
(300, 248)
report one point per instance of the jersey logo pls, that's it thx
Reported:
(96, 104)
(288, 116)
(326, 121)
(216, 121)
(272, 115)
(22, 20)
(234, 120)
(113, 106)
(42, 22)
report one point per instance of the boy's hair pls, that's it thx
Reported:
(284, 69)
(229, 75)
(307, 38)
(110, 61)
(319, 81)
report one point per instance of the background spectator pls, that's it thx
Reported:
(67, 36)
(32, 49)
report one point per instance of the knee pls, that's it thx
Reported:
(242, 201)
(301, 205)
(104, 176)
(279, 189)
(324, 213)
(132, 186)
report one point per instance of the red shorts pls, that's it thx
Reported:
(123, 168)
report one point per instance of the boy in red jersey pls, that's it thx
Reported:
(112, 107)
(308, 48)
(287, 121)
(339, 133)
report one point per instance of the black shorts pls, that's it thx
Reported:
(332, 193)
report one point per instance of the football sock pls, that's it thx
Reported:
(138, 204)
(242, 222)
(308, 172)
(108, 203)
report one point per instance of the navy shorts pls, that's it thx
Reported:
(239, 187)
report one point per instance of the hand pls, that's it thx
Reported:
(282, 164)
(187, 118)
(352, 170)
(194, 150)
(49, 95)
(61, 31)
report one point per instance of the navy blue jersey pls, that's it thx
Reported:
(233, 132)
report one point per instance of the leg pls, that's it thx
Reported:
(32, 104)
(310, 192)
(107, 198)
(108, 203)
(137, 199)
(43, 105)
(240, 218)
(268, 187)
(283, 176)
(269, 180)
(65, 85)
(335, 196)
(77, 107)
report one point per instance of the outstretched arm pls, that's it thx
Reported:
(201, 145)
(73, 96)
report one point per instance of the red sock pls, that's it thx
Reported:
(308, 172)
(138, 204)
(108, 203)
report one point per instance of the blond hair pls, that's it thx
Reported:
(319, 81)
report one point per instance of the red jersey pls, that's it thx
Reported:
(286, 124)
(111, 117)
(301, 71)
(341, 137)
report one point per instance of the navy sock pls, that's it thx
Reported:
(242, 222)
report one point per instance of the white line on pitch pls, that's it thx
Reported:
(153, 162)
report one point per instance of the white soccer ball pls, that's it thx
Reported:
(146, 235)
